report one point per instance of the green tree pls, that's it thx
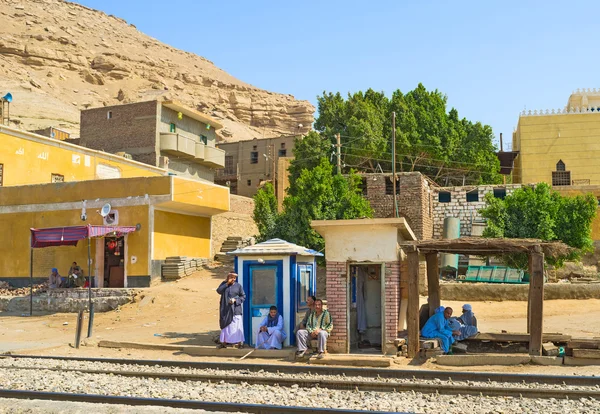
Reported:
(265, 212)
(541, 213)
(318, 194)
(429, 138)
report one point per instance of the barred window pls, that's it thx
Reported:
(561, 178)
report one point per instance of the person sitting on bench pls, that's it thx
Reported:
(466, 324)
(270, 332)
(318, 326)
(437, 327)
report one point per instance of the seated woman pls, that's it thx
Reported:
(466, 324)
(270, 332)
(438, 327)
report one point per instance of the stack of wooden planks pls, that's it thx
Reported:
(176, 267)
(584, 351)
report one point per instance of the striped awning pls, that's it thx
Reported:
(70, 235)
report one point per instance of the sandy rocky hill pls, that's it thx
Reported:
(57, 58)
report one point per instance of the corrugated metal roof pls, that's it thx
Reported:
(275, 247)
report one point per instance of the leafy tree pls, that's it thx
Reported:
(318, 194)
(308, 152)
(265, 212)
(429, 138)
(541, 213)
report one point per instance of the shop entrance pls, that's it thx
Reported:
(114, 262)
(366, 308)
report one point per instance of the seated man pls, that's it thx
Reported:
(318, 326)
(310, 302)
(466, 324)
(55, 281)
(74, 277)
(270, 332)
(438, 327)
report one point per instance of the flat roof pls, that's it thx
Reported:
(400, 223)
(192, 113)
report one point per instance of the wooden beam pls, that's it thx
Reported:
(586, 353)
(412, 322)
(433, 282)
(536, 301)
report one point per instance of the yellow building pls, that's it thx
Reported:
(560, 147)
(47, 183)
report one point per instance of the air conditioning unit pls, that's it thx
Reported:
(163, 162)
(112, 218)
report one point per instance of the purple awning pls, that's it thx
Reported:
(70, 235)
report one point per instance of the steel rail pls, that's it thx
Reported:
(349, 371)
(189, 404)
(362, 385)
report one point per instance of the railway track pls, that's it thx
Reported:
(188, 404)
(376, 380)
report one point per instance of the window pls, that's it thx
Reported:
(57, 178)
(500, 193)
(254, 157)
(305, 284)
(229, 168)
(561, 176)
(264, 285)
(282, 145)
(254, 148)
(283, 153)
(249, 182)
(109, 115)
(172, 128)
(1, 175)
(472, 196)
(389, 189)
(444, 197)
(204, 139)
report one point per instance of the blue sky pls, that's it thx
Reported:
(491, 58)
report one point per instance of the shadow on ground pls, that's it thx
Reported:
(203, 338)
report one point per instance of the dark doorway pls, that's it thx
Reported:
(114, 262)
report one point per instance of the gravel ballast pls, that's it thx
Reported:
(109, 384)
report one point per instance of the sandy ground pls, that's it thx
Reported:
(186, 312)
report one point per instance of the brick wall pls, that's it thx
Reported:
(414, 200)
(132, 129)
(466, 211)
(336, 287)
(392, 300)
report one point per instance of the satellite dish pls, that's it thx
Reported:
(105, 210)
(7, 97)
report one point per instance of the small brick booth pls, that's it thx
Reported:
(364, 271)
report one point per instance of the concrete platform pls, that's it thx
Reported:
(483, 359)
(196, 350)
(547, 360)
(580, 362)
(352, 360)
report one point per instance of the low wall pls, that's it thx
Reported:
(501, 292)
(68, 300)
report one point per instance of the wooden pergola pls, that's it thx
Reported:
(535, 249)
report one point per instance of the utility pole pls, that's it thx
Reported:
(394, 164)
(338, 146)
(273, 166)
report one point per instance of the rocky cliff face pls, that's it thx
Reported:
(57, 58)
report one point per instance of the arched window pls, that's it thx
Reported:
(560, 166)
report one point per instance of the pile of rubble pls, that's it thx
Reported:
(7, 290)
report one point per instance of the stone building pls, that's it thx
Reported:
(164, 134)
(464, 203)
(414, 195)
(249, 163)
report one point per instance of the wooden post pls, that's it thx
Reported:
(412, 322)
(433, 282)
(536, 300)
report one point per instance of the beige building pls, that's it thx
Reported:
(164, 134)
(249, 163)
(560, 147)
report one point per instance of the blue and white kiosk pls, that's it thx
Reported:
(278, 273)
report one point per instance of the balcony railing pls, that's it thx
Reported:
(180, 146)
(214, 157)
